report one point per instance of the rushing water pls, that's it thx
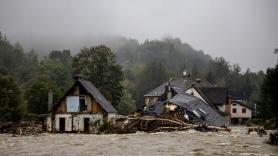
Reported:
(190, 142)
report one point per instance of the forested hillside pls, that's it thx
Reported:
(144, 65)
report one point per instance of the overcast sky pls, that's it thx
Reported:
(242, 31)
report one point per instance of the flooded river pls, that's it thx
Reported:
(174, 143)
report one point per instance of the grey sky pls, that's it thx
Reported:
(242, 31)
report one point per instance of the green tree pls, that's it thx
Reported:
(36, 94)
(54, 71)
(126, 104)
(268, 105)
(20, 65)
(10, 98)
(153, 75)
(195, 72)
(63, 56)
(218, 71)
(98, 64)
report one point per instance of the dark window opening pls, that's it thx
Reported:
(234, 104)
(234, 110)
(82, 104)
(243, 110)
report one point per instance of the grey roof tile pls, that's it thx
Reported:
(182, 83)
(192, 103)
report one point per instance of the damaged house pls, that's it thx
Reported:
(195, 110)
(82, 106)
(217, 96)
(182, 83)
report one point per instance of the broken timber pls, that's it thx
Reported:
(156, 124)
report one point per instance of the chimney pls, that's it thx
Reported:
(78, 77)
(168, 89)
(198, 80)
(50, 100)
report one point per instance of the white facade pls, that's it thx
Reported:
(194, 92)
(240, 111)
(74, 122)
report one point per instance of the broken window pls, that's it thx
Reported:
(82, 104)
(243, 110)
(234, 110)
(72, 103)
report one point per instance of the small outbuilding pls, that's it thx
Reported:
(81, 108)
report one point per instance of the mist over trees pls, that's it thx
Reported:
(134, 68)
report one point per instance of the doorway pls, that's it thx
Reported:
(62, 123)
(86, 124)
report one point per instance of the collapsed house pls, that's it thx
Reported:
(82, 106)
(182, 83)
(218, 97)
(230, 104)
(193, 109)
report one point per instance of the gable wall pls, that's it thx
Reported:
(194, 92)
(239, 113)
(92, 105)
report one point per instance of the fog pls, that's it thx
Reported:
(243, 32)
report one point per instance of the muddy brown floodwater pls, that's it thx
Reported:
(174, 143)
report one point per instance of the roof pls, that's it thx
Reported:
(93, 91)
(243, 104)
(182, 83)
(104, 103)
(214, 95)
(239, 94)
(192, 103)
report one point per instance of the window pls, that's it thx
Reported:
(82, 104)
(234, 104)
(234, 110)
(243, 110)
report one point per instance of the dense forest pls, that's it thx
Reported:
(135, 68)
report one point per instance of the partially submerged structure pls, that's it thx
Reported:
(217, 97)
(193, 109)
(197, 95)
(82, 106)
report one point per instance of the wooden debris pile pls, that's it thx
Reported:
(259, 130)
(273, 138)
(20, 128)
(151, 124)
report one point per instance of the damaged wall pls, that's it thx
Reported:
(75, 122)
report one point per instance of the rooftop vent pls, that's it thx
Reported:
(185, 74)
